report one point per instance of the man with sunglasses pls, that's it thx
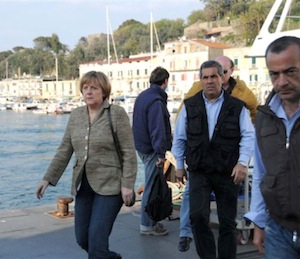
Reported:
(236, 88)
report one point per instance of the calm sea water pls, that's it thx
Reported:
(28, 142)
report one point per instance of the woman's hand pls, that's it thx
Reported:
(127, 195)
(41, 189)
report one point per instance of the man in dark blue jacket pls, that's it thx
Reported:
(152, 137)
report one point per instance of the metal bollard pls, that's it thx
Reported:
(63, 207)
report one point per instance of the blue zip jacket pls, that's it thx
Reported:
(151, 122)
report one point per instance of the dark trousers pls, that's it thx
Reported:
(226, 193)
(94, 218)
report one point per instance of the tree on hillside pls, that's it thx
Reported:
(130, 22)
(131, 38)
(217, 8)
(239, 7)
(252, 21)
(169, 30)
(4, 65)
(50, 43)
(195, 16)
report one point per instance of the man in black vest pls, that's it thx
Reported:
(214, 135)
(275, 203)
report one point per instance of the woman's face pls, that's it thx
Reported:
(92, 94)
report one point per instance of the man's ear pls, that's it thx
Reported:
(223, 78)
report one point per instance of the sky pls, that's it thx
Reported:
(24, 20)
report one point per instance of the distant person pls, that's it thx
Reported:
(238, 89)
(214, 135)
(275, 203)
(152, 137)
(100, 183)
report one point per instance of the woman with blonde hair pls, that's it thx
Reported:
(102, 181)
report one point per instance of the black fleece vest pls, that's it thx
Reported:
(221, 153)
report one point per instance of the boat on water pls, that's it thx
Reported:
(173, 105)
(20, 106)
(60, 106)
(126, 101)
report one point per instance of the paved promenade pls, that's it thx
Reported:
(31, 233)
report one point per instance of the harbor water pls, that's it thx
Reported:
(28, 142)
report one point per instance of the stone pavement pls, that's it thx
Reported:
(31, 233)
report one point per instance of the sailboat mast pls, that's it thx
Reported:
(151, 36)
(107, 30)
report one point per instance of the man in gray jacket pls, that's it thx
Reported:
(275, 203)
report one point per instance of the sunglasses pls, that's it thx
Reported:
(225, 71)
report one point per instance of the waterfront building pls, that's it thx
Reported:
(130, 75)
(181, 58)
(37, 88)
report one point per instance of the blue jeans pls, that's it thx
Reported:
(151, 170)
(185, 225)
(279, 242)
(94, 218)
(226, 192)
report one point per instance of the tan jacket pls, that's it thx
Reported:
(94, 149)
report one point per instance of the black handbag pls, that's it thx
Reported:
(117, 145)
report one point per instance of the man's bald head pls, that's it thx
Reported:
(228, 67)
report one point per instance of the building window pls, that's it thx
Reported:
(173, 78)
(137, 72)
(171, 65)
(256, 78)
(146, 71)
(236, 62)
(253, 62)
(183, 77)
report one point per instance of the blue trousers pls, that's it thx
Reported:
(279, 243)
(185, 225)
(226, 192)
(94, 218)
(151, 170)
